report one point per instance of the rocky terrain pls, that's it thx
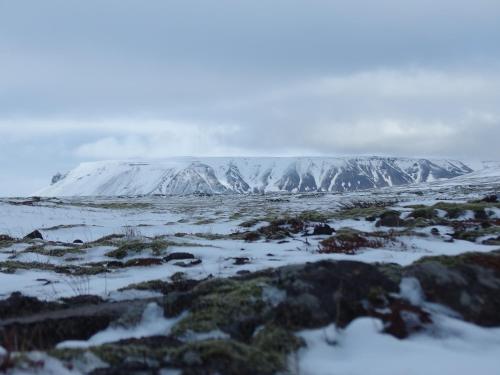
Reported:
(386, 281)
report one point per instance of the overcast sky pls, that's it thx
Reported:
(113, 79)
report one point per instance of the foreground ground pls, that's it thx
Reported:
(389, 281)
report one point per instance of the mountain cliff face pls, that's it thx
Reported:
(248, 175)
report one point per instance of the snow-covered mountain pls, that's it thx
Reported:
(247, 175)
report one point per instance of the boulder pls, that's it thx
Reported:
(178, 256)
(390, 219)
(34, 235)
(323, 229)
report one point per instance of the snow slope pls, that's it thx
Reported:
(488, 175)
(246, 175)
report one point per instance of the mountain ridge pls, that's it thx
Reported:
(219, 175)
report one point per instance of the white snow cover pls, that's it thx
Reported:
(455, 348)
(218, 175)
(448, 346)
(152, 323)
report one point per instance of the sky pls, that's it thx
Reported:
(134, 79)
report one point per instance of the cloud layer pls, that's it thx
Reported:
(128, 79)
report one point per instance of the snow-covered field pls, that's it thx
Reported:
(101, 246)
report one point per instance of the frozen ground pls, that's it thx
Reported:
(102, 246)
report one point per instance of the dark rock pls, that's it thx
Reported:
(143, 262)
(390, 219)
(243, 272)
(468, 284)
(34, 235)
(114, 264)
(323, 292)
(5, 238)
(251, 236)
(323, 229)
(492, 241)
(435, 232)
(81, 300)
(41, 325)
(77, 241)
(490, 199)
(188, 264)
(19, 305)
(239, 261)
(178, 256)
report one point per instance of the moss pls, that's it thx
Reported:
(391, 270)
(60, 252)
(230, 357)
(274, 339)
(67, 355)
(116, 355)
(211, 236)
(11, 266)
(237, 215)
(455, 210)
(424, 213)
(204, 222)
(359, 212)
(485, 260)
(249, 223)
(119, 253)
(314, 216)
(109, 240)
(158, 246)
(116, 205)
(473, 235)
(220, 303)
(416, 206)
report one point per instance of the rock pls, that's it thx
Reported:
(19, 305)
(243, 272)
(5, 238)
(492, 241)
(114, 264)
(251, 236)
(178, 256)
(81, 300)
(39, 325)
(435, 232)
(323, 229)
(77, 241)
(468, 284)
(34, 235)
(188, 264)
(390, 219)
(239, 261)
(143, 262)
(490, 199)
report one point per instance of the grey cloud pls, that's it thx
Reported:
(128, 78)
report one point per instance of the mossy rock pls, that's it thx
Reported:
(229, 357)
(226, 305)
(249, 223)
(359, 212)
(424, 213)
